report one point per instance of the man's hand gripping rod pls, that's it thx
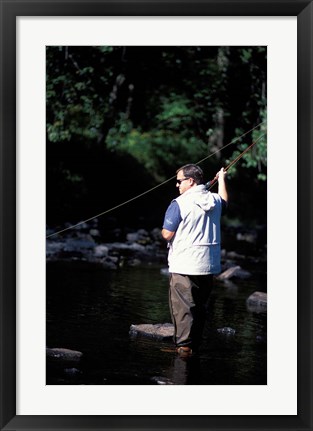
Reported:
(211, 183)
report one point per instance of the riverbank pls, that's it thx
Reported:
(128, 247)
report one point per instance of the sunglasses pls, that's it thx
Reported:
(180, 181)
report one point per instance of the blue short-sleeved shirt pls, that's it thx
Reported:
(172, 217)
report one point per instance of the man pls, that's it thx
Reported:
(192, 228)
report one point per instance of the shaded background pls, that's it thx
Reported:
(122, 119)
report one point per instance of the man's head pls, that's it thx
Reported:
(188, 176)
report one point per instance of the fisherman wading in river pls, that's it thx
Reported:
(192, 228)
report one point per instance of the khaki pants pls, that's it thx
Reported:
(188, 296)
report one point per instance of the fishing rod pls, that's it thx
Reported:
(211, 183)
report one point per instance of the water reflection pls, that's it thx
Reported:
(187, 371)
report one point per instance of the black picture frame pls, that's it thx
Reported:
(10, 9)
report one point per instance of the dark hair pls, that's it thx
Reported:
(192, 171)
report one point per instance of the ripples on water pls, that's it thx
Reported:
(91, 310)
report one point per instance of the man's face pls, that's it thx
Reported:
(185, 184)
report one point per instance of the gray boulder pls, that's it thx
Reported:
(257, 301)
(62, 354)
(159, 330)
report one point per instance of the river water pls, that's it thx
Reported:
(91, 310)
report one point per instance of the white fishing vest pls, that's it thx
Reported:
(196, 246)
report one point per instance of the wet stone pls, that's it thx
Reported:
(101, 250)
(161, 380)
(159, 330)
(64, 354)
(72, 371)
(257, 301)
(226, 331)
(234, 272)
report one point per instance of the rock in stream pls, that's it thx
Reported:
(159, 330)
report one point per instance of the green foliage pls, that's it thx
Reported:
(175, 111)
(162, 106)
(255, 158)
(75, 108)
(158, 150)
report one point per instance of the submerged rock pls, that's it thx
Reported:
(159, 330)
(159, 380)
(227, 331)
(72, 372)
